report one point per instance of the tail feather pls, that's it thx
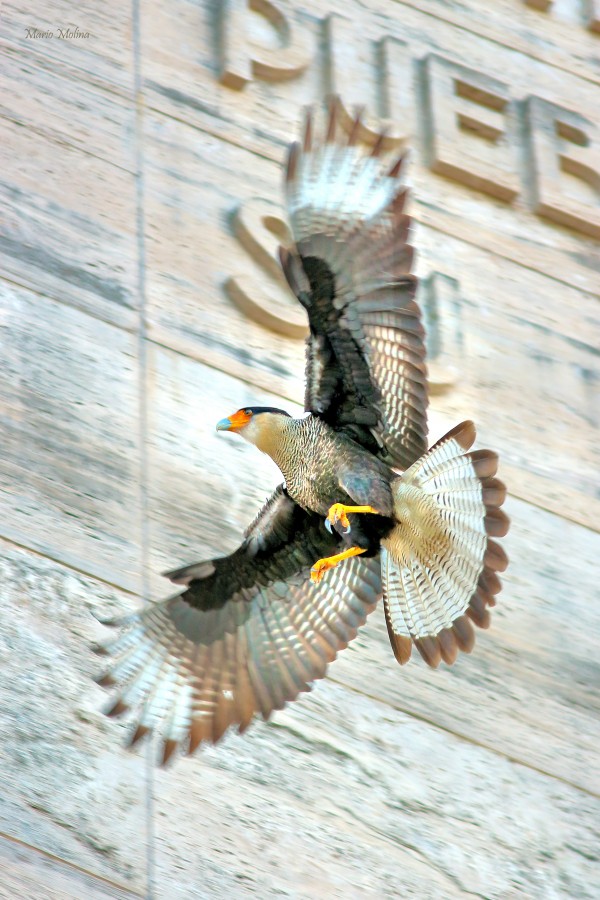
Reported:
(439, 563)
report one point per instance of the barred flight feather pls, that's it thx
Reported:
(260, 650)
(346, 210)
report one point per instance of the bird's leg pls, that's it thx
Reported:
(339, 513)
(330, 562)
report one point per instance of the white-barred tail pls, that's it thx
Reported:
(439, 563)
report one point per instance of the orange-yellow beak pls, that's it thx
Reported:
(235, 421)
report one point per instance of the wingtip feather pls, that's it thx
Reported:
(118, 708)
(354, 134)
(396, 168)
(141, 732)
(307, 138)
(169, 748)
(291, 166)
(332, 119)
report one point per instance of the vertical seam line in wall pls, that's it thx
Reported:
(142, 348)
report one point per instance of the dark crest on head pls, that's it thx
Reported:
(255, 410)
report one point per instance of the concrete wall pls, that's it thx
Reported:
(140, 161)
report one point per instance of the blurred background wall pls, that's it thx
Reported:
(140, 211)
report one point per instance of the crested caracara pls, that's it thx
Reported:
(365, 509)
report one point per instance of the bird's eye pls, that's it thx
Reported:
(248, 412)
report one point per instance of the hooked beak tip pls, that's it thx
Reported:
(224, 425)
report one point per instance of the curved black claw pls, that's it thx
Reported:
(329, 527)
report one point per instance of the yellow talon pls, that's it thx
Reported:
(339, 513)
(318, 570)
(330, 562)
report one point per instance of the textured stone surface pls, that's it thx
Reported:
(66, 785)
(28, 873)
(182, 83)
(125, 157)
(74, 112)
(70, 463)
(68, 221)
(343, 796)
(191, 247)
(104, 57)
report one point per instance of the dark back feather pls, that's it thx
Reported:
(351, 269)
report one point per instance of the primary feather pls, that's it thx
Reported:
(351, 268)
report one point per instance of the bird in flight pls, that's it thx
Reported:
(366, 509)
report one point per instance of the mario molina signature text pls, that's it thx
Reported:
(61, 34)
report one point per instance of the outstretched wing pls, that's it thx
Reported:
(351, 269)
(250, 632)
